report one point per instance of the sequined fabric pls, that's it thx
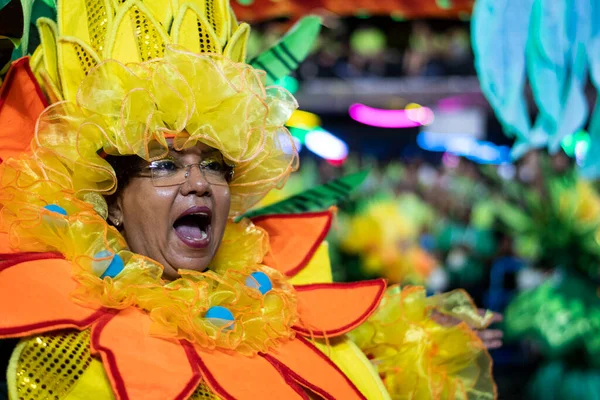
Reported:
(203, 393)
(50, 365)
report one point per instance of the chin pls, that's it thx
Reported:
(198, 264)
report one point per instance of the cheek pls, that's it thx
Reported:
(145, 212)
(222, 203)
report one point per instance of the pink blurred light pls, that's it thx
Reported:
(450, 160)
(420, 115)
(391, 118)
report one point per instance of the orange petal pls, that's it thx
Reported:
(294, 238)
(140, 366)
(234, 376)
(331, 309)
(34, 296)
(312, 369)
(21, 103)
(4, 244)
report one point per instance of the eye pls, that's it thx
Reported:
(214, 165)
(163, 166)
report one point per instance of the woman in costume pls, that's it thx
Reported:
(125, 275)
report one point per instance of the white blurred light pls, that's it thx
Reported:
(507, 171)
(285, 143)
(326, 145)
(465, 146)
(529, 278)
(297, 143)
(438, 280)
(581, 150)
(465, 122)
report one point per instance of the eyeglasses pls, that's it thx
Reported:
(169, 172)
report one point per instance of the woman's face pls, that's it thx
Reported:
(179, 225)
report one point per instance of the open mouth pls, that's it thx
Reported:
(194, 228)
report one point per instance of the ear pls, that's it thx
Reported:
(115, 211)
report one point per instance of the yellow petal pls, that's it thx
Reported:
(236, 48)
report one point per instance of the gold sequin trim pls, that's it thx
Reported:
(86, 61)
(212, 17)
(206, 44)
(97, 23)
(203, 393)
(150, 43)
(50, 365)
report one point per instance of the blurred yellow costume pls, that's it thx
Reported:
(387, 242)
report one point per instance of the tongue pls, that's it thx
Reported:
(190, 231)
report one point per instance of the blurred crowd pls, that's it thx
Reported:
(380, 47)
(496, 231)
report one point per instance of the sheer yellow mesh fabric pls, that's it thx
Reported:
(50, 365)
(420, 359)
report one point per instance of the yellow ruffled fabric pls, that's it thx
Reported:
(176, 308)
(421, 359)
(243, 244)
(387, 243)
(131, 109)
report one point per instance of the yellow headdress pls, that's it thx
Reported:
(123, 75)
(90, 31)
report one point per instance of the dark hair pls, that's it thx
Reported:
(125, 167)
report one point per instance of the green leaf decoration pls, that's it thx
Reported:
(284, 57)
(18, 33)
(317, 199)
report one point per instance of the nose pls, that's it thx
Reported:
(195, 182)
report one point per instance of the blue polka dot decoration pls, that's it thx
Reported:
(109, 267)
(259, 280)
(56, 209)
(220, 316)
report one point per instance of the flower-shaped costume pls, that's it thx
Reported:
(99, 321)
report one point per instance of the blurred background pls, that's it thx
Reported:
(393, 88)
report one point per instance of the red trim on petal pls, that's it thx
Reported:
(226, 396)
(34, 297)
(194, 363)
(212, 382)
(141, 366)
(324, 307)
(243, 363)
(294, 270)
(43, 327)
(289, 379)
(296, 377)
(12, 259)
(109, 360)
